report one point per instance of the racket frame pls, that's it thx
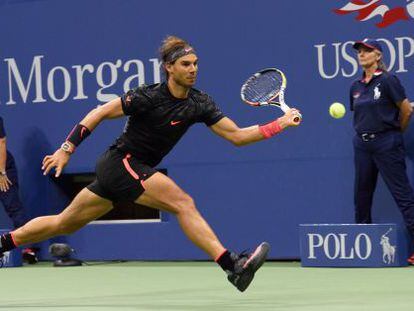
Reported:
(271, 102)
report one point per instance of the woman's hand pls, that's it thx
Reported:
(5, 183)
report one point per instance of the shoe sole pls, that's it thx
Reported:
(253, 264)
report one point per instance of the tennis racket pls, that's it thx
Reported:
(267, 88)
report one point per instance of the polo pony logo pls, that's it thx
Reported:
(372, 8)
(388, 250)
(377, 93)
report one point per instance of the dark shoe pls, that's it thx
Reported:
(246, 266)
(1, 260)
(411, 260)
(29, 256)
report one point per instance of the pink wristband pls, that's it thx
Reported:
(270, 129)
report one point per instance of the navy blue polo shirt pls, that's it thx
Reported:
(375, 103)
(9, 160)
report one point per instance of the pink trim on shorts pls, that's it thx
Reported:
(129, 168)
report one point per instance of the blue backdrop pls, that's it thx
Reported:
(59, 59)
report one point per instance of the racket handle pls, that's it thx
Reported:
(285, 108)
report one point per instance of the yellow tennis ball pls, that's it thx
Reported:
(337, 110)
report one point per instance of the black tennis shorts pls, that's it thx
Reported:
(120, 176)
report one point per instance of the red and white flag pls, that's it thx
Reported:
(367, 10)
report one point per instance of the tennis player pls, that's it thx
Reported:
(158, 116)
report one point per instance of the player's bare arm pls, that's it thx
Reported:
(60, 158)
(406, 111)
(229, 130)
(4, 180)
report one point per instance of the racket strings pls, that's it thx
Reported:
(262, 87)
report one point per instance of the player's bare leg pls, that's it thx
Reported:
(162, 193)
(84, 208)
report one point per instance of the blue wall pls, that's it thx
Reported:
(259, 192)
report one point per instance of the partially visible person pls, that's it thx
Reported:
(9, 192)
(381, 113)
